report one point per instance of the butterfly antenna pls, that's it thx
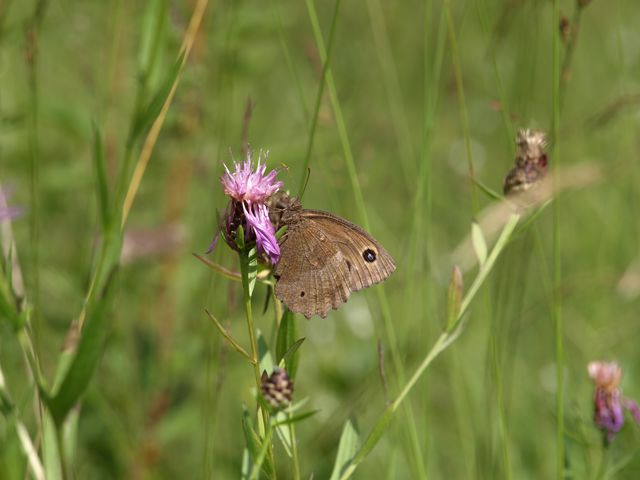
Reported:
(304, 187)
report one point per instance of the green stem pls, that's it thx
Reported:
(557, 274)
(326, 57)
(63, 460)
(295, 463)
(246, 290)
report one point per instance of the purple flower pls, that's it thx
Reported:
(609, 404)
(257, 216)
(245, 185)
(7, 212)
(249, 190)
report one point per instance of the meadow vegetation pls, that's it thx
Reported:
(116, 119)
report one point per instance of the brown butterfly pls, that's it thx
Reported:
(323, 258)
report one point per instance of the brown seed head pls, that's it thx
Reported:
(277, 388)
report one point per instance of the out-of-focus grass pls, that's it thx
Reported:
(167, 395)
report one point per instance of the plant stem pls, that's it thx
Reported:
(557, 273)
(295, 463)
(246, 291)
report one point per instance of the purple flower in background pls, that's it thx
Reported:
(7, 212)
(249, 190)
(245, 185)
(609, 404)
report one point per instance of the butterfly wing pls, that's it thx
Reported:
(324, 258)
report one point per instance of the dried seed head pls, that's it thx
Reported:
(277, 388)
(531, 161)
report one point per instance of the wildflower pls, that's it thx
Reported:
(249, 189)
(277, 388)
(531, 161)
(245, 185)
(7, 212)
(609, 404)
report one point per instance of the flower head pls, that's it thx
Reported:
(277, 388)
(249, 189)
(531, 163)
(247, 185)
(608, 401)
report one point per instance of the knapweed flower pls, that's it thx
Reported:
(246, 185)
(609, 404)
(249, 189)
(277, 388)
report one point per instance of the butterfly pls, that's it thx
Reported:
(323, 258)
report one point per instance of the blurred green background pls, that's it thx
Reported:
(166, 400)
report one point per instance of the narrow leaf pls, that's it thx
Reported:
(286, 343)
(291, 358)
(225, 272)
(295, 418)
(346, 449)
(101, 178)
(252, 272)
(378, 431)
(84, 361)
(237, 347)
(479, 243)
(487, 190)
(454, 297)
(150, 113)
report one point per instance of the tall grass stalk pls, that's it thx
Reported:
(446, 338)
(393, 90)
(325, 56)
(462, 104)
(557, 260)
(416, 450)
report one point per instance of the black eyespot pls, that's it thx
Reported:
(349, 265)
(369, 255)
(302, 294)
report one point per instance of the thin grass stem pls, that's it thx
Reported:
(325, 56)
(557, 271)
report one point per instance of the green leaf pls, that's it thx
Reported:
(295, 418)
(488, 191)
(479, 243)
(283, 432)
(50, 450)
(286, 343)
(152, 26)
(291, 358)
(264, 354)
(228, 337)
(148, 115)
(101, 178)
(240, 238)
(255, 447)
(378, 431)
(252, 271)
(84, 361)
(454, 297)
(346, 449)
